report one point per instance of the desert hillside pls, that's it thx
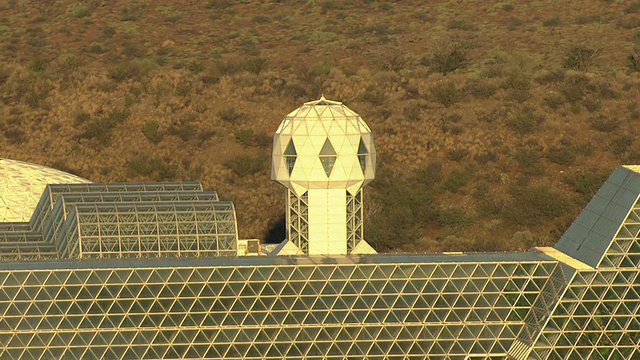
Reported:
(495, 121)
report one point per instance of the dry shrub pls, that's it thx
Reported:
(445, 93)
(581, 56)
(448, 57)
(525, 122)
(603, 123)
(533, 205)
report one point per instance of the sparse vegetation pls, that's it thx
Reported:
(150, 167)
(247, 137)
(489, 110)
(150, 131)
(603, 123)
(550, 22)
(529, 160)
(101, 129)
(231, 115)
(620, 146)
(134, 69)
(588, 183)
(245, 165)
(540, 204)
(395, 59)
(634, 60)
(562, 155)
(456, 180)
(256, 65)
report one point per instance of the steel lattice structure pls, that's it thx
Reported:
(75, 284)
(123, 220)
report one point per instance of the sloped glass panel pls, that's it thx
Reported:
(291, 149)
(290, 161)
(362, 148)
(363, 152)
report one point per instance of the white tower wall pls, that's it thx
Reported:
(327, 222)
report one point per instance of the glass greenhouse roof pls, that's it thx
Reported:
(116, 220)
(590, 235)
(577, 300)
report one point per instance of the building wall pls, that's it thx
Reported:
(597, 318)
(314, 310)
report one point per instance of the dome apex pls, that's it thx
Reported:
(323, 144)
(322, 101)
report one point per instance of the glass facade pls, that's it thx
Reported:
(369, 307)
(74, 285)
(374, 307)
(591, 309)
(123, 220)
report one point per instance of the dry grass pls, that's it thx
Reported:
(499, 92)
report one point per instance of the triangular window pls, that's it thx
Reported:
(290, 156)
(363, 152)
(328, 157)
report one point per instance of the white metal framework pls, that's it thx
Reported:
(298, 220)
(324, 152)
(355, 223)
(123, 220)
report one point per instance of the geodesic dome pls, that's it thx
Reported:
(22, 184)
(323, 145)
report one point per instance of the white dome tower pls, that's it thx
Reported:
(323, 154)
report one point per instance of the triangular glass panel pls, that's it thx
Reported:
(327, 149)
(290, 156)
(290, 149)
(328, 157)
(362, 148)
(363, 152)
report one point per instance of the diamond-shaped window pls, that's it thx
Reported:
(290, 156)
(328, 157)
(363, 152)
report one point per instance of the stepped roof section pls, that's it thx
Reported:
(123, 220)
